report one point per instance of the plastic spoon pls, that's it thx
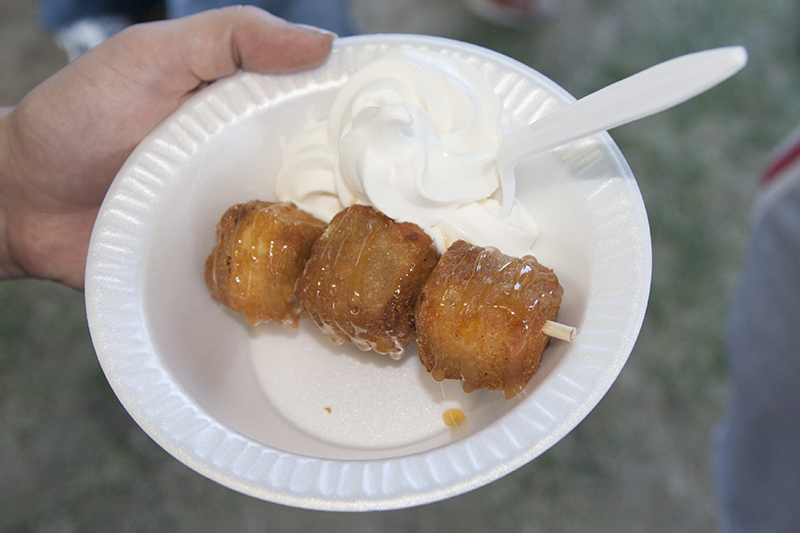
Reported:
(646, 93)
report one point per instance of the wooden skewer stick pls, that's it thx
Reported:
(559, 331)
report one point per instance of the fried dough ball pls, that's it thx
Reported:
(362, 281)
(261, 250)
(479, 318)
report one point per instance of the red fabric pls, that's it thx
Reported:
(783, 161)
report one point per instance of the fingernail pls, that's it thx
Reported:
(316, 30)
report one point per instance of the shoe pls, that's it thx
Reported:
(87, 33)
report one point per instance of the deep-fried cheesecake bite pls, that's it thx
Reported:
(363, 278)
(261, 250)
(480, 315)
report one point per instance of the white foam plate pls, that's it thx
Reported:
(288, 417)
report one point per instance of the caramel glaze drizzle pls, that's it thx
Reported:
(244, 252)
(509, 289)
(477, 284)
(351, 290)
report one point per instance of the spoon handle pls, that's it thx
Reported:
(645, 93)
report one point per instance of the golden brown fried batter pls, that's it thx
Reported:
(363, 278)
(261, 250)
(480, 316)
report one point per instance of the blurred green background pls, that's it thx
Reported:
(71, 459)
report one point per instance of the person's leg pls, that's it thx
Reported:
(332, 15)
(78, 25)
(757, 454)
(57, 14)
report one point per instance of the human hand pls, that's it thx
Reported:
(61, 147)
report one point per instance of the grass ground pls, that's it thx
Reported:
(72, 460)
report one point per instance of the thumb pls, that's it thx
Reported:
(189, 52)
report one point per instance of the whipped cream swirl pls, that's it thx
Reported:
(414, 134)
